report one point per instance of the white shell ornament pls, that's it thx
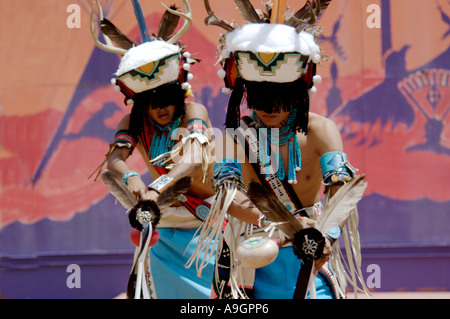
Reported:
(257, 252)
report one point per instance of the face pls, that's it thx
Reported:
(273, 119)
(162, 116)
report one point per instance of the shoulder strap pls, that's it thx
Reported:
(281, 189)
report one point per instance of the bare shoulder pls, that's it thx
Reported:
(196, 110)
(124, 123)
(318, 124)
(324, 133)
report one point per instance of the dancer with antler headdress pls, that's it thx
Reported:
(172, 136)
(268, 181)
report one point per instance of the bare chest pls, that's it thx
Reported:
(309, 178)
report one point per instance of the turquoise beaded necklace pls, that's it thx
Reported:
(161, 141)
(286, 133)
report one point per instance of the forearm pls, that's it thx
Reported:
(243, 209)
(118, 166)
(189, 163)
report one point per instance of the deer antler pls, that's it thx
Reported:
(212, 19)
(187, 20)
(109, 46)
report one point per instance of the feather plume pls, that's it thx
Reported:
(144, 212)
(170, 195)
(247, 11)
(112, 32)
(270, 206)
(266, 16)
(320, 5)
(339, 207)
(119, 190)
(141, 20)
(168, 24)
(308, 14)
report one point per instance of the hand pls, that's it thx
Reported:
(136, 186)
(306, 222)
(324, 258)
(150, 195)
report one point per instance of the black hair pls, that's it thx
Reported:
(163, 96)
(270, 97)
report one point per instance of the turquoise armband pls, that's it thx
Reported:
(127, 175)
(335, 168)
(227, 169)
(334, 234)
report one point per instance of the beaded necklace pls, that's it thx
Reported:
(162, 141)
(286, 133)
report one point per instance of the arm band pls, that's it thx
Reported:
(227, 169)
(197, 126)
(334, 234)
(160, 182)
(197, 129)
(335, 168)
(124, 139)
(127, 175)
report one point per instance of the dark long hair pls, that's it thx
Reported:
(163, 96)
(270, 97)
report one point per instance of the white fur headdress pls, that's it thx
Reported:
(271, 52)
(273, 46)
(149, 65)
(157, 61)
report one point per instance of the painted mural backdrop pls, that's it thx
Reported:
(387, 86)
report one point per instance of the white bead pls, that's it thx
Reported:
(186, 67)
(221, 73)
(113, 81)
(317, 79)
(130, 101)
(316, 58)
(116, 88)
(187, 54)
(313, 90)
(190, 76)
(226, 90)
